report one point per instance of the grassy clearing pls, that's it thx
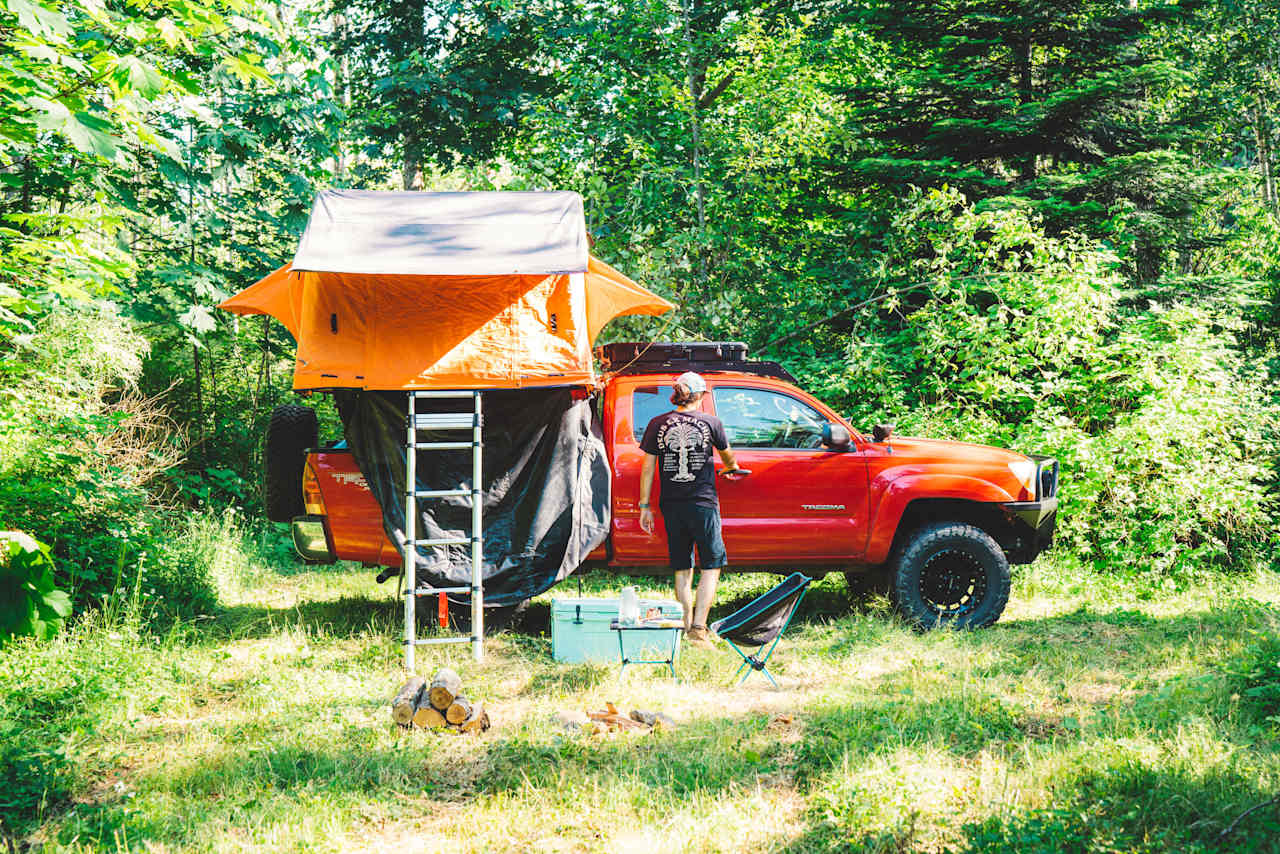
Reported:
(1094, 717)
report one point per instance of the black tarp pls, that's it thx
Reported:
(546, 485)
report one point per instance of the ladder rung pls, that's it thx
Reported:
(427, 591)
(444, 420)
(422, 395)
(443, 541)
(425, 641)
(444, 446)
(440, 493)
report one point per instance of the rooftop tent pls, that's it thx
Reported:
(396, 291)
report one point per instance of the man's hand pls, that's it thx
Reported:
(646, 520)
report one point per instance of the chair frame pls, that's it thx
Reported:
(752, 661)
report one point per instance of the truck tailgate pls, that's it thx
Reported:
(352, 515)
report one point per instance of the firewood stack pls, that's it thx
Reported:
(438, 704)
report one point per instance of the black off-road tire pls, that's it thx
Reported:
(291, 432)
(949, 574)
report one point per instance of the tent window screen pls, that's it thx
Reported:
(648, 402)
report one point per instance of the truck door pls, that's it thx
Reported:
(633, 408)
(801, 500)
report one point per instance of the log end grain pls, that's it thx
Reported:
(459, 710)
(406, 700)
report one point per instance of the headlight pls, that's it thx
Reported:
(1025, 472)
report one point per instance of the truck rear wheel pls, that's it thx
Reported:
(291, 432)
(950, 574)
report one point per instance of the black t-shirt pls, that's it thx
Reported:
(682, 442)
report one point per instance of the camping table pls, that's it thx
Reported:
(674, 649)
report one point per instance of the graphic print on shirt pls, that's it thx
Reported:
(685, 442)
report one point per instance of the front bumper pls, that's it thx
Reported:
(1035, 513)
(311, 539)
(1034, 522)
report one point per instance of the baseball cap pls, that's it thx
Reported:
(694, 382)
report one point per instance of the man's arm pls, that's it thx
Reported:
(647, 472)
(730, 462)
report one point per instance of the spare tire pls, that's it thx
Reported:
(291, 432)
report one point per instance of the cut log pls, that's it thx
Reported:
(459, 710)
(445, 686)
(406, 699)
(476, 722)
(617, 721)
(426, 715)
(652, 719)
(574, 721)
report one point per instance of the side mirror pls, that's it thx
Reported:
(882, 432)
(836, 437)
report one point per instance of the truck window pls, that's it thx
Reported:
(756, 418)
(646, 402)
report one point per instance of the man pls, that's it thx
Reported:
(678, 446)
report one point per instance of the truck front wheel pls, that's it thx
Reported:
(950, 574)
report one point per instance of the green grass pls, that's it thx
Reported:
(1098, 715)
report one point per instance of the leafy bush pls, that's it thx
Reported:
(1257, 675)
(81, 451)
(30, 604)
(1004, 335)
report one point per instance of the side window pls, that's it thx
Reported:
(756, 418)
(647, 402)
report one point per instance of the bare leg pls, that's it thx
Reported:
(684, 594)
(706, 595)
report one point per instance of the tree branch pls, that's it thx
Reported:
(1230, 828)
(708, 98)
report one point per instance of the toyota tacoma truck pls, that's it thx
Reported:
(933, 524)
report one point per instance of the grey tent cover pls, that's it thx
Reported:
(444, 234)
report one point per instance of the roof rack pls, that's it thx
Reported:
(680, 356)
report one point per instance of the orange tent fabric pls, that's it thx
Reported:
(378, 331)
(414, 290)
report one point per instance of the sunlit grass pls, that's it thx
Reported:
(1100, 722)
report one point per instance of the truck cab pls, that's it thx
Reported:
(934, 524)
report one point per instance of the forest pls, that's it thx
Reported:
(1048, 225)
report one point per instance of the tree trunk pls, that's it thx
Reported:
(477, 721)
(1026, 92)
(696, 77)
(406, 701)
(445, 686)
(459, 710)
(1262, 135)
(425, 715)
(195, 362)
(342, 74)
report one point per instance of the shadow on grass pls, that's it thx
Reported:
(1106, 803)
(347, 616)
(1125, 803)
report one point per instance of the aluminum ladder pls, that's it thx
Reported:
(442, 421)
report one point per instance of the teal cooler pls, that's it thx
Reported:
(580, 631)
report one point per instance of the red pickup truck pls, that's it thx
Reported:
(935, 524)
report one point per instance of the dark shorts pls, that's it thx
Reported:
(688, 525)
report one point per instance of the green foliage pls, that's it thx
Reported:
(995, 332)
(30, 603)
(82, 453)
(1256, 674)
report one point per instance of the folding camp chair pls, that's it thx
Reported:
(761, 622)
